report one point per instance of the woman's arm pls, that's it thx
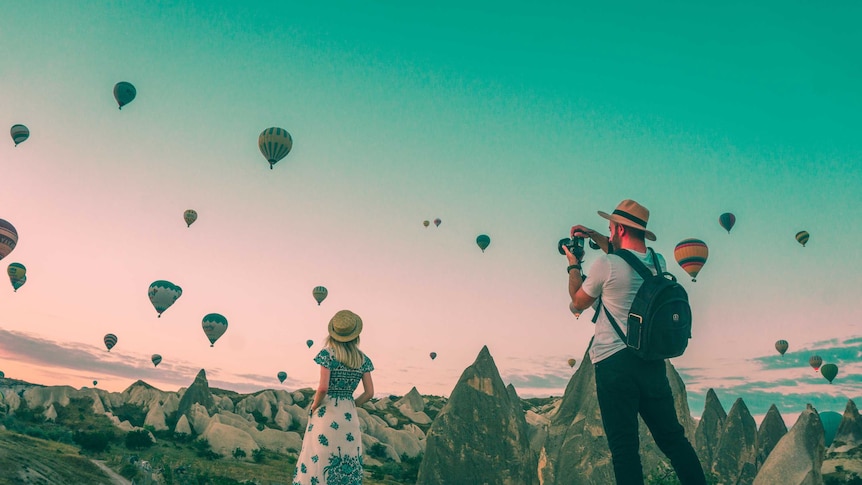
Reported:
(368, 389)
(322, 387)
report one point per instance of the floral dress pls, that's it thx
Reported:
(332, 448)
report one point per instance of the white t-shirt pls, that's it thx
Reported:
(617, 283)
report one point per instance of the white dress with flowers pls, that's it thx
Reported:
(332, 448)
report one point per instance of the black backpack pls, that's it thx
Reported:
(659, 322)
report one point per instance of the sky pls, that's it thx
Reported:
(497, 118)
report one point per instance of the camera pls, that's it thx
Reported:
(575, 246)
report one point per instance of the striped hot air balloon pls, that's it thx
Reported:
(19, 133)
(157, 359)
(214, 325)
(802, 237)
(8, 238)
(274, 144)
(426, 223)
(727, 220)
(110, 341)
(282, 376)
(319, 293)
(163, 294)
(691, 254)
(483, 241)
(814, 361)
(190, 216)
(124, 93)
(17, 275)
(781, 346)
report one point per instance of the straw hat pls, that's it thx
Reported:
(630, 213)
(345, 326)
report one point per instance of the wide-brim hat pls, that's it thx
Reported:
(630, 213)
(345, 326)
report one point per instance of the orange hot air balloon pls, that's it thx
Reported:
(691, 254)
(815, 361)
(781, 346)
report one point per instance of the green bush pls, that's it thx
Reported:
(377, 450)
(258, 455)
(138, 440)
(239, 453)
(93, 441)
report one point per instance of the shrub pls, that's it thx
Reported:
(258, 455)
(93, 441)
(239, 453)
(377, 450)
(138, 440)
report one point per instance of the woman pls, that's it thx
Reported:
(332, 448)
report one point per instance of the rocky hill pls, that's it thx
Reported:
(484, 433)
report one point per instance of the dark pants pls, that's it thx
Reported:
(627, 385)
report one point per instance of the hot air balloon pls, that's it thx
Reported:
(574, 310)
(282, 376)
(815, 361)
(95, 383)
(829, 371)
(691, 254)
(309, 343)
(18, 283)
(433, 355)
(781, 346)
(163, 294)
(437, 222)
(17, 275)
(110, 341)
(124, 93)
(274, 144)
(157, 359)
(483, 241)
(8, 238)
(572, 362)
(214, 326)
(727, 220)
(319, 293)
(190, 216)
(426, 223)
(19, 134)
(802, 237)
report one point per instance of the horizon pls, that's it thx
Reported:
(500, 120)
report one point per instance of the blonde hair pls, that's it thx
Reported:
(347, 353)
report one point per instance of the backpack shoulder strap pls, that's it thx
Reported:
(610, 319)
(637, 264)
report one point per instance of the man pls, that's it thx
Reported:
(627, 385)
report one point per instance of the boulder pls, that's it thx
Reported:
(736, 453)
(197, 394)
(50, 413)
(576, 451)
(183, 426)
(708, 433)
(224, 439)
(849, 434)
(199, 418)
(772, 429)
(480, 436)
(798, 457)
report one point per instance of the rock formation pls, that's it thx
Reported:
(576, 450)
(849, 434)
(772, 429)
(480, 436)
(197, 393)
(708, 432)
(735, 456)
(797, 459)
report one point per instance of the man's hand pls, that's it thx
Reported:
(595, 236)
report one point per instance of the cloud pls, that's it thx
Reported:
(75, 359)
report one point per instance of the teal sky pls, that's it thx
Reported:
(500, 119)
